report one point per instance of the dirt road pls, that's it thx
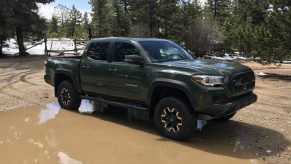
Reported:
(32, 132)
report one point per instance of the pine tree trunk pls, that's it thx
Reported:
(21, 47)
(1, 46)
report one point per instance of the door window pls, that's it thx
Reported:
(122, 50)
(98, 51)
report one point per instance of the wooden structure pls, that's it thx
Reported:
(73, 51)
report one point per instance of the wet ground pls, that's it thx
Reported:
(35, 130)
(52, 135)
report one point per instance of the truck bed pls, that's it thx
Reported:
(65, 64)
(65, 57)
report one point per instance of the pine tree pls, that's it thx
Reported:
(168, 16)
(144, 18)
(262, 29)
(85, 20)
(100, 17)
(74, 20)
(220, 9)
(23, 16)
(86, 29)
(4, 26)
(53, 25)
(120, 22)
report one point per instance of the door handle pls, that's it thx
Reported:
(85, 67)
(112, 69)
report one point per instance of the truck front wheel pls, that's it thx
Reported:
(174, 119)
(67, 96)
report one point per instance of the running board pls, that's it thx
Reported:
(119, 104)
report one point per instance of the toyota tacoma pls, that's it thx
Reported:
(156, 77)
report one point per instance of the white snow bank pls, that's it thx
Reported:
(228, 57)
(86, 107)
(261, 74)
(11, 47)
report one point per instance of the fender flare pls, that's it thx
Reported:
(75, 79)
(173, 84)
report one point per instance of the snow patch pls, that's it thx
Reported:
(11, 47)
(228, 57)
(261, 74)
(86, 106)
(287, 62)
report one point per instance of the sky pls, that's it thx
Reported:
(47, 10)
(82, 5)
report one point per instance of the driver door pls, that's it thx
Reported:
(126, 80)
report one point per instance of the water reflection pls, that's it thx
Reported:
(65, 159)
(50, 112)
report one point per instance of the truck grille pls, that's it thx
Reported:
(242, 82)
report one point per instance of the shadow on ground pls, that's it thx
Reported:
(232, 138)
(274, 76)
(33, 62)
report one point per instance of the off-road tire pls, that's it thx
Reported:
(67, 96)
(175, 119)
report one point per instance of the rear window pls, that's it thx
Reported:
(98, 50)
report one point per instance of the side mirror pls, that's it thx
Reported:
(134, 59)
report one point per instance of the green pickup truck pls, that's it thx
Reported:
(156, 77)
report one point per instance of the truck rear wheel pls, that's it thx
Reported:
(67, 96)
(174, 119)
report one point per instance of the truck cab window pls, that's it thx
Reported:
(98, 51)
(122, 50)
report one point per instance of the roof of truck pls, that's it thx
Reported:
(127, 39)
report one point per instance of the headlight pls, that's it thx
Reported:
(208, 80)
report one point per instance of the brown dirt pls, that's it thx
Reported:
(258, 133)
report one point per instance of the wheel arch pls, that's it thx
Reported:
(162, 88)
(65, 75)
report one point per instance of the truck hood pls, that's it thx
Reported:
(210, 67)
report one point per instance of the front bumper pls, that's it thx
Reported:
(221, 110)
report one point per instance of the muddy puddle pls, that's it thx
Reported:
(53, 135)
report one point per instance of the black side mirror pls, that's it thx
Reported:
(134, 59)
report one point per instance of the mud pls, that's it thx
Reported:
(32, 135)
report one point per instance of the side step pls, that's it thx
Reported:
(115, 103)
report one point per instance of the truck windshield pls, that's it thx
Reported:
(162, 51)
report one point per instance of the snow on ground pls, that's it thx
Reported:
(229, 57)
(261, 74)
(11, 47)
(86, 107)
(287, 62)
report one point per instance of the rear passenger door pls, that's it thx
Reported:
(94, 68)
(126, 80)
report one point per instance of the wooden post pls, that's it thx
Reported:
(45, 47)
(75, 44)
(90, 33)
